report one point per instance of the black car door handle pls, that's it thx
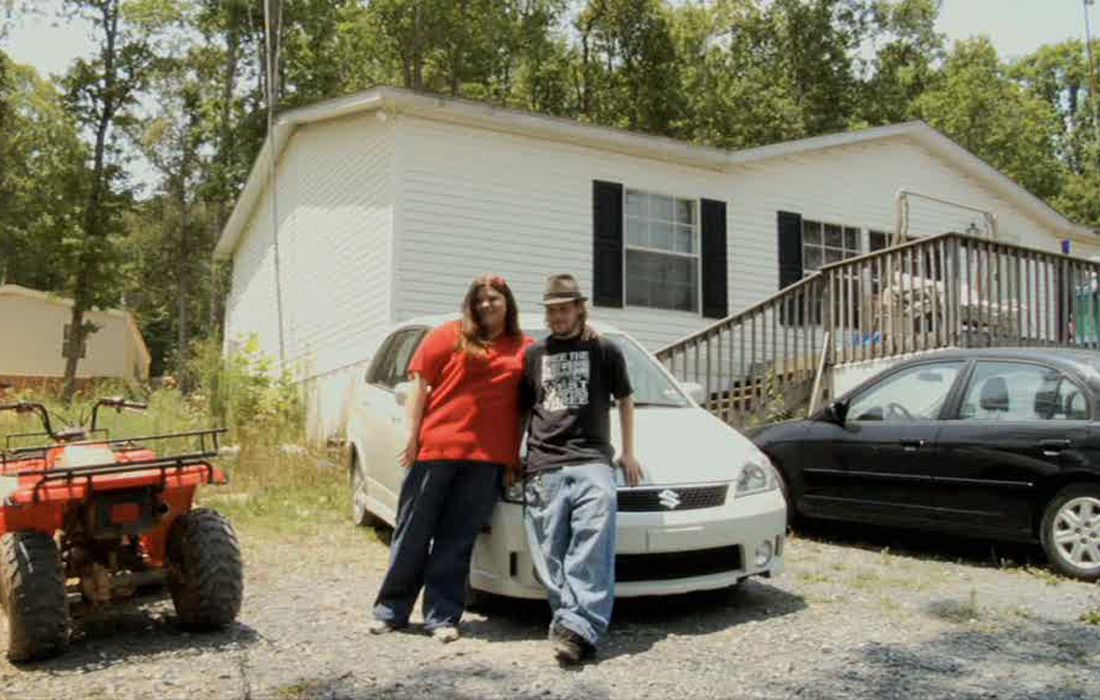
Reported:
(1051, 448)
(913, 445)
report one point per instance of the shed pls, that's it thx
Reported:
(33, 330)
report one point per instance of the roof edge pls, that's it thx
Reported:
(484, 115)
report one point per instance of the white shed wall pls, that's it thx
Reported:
(335, 203)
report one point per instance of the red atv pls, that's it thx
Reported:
(87, 520)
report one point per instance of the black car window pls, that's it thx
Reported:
(403, 348)
(1020, 391)
(913, 394)
(379, 367)
(393, 361)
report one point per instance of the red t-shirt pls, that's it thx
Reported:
(473, 407)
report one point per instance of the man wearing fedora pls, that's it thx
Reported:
(569, 380)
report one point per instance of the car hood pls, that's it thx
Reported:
(685, 445)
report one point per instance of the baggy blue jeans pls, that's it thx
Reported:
(442, 507)
(570, 521)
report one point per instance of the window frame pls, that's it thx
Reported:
(950, 401)
(964, 388)
(861, 233)
(697, 225)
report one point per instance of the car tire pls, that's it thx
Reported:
(1070, 531)
(32, 590)
(206, 574)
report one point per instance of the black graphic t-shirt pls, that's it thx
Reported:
(567, 385)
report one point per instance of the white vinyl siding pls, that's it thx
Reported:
(335, 211)
(476, 201)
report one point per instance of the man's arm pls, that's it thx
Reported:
(632, 469)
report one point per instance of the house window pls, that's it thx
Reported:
(661, 251)
(825, 244)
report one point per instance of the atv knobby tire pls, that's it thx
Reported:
(206, 570)
(32, 590)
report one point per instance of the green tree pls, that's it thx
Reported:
(41, 169)
(978, 105)
(627, 62)
(100, 92)
(907, 53)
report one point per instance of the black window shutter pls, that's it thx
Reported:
(607, 240)
(715, 270)
(790, 248)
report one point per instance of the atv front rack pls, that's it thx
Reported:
(208, 447)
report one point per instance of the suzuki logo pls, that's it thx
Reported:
(669, 499)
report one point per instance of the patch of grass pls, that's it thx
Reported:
(814, 577)
(1091, 616)
(1043, 574)
(965, 611)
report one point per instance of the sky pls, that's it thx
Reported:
(1016, 27)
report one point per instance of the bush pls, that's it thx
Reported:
(243, 392)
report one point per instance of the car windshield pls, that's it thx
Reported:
(652, 387)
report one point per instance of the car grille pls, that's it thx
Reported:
(687, 498)
(668, 566)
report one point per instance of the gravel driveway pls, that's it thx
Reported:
(849, 619)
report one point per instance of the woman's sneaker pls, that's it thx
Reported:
(445, 634)
(381, 627)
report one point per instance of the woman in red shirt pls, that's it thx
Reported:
(464, 432)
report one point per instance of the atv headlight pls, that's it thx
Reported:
(757, 476)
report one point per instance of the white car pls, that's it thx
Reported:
(709, 514)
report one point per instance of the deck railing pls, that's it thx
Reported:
(950, 290)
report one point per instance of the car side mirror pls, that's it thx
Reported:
(401, 392)
(836, 412)
(696, 391)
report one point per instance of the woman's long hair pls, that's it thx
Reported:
(474, 337)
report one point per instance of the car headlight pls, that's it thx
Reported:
(513, 493)
(757, 476)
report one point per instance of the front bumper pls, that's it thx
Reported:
(658, 553)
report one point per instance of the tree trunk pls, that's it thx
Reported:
(93, 221)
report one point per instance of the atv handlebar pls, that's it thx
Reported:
(30, 407)
(118, 403)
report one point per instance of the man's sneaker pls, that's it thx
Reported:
(445, 634)
(381, 627)
(569, 647)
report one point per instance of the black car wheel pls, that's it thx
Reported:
(1070, 531)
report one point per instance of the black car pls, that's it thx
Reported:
(997, 443)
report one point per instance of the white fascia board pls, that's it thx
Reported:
(821, 143)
